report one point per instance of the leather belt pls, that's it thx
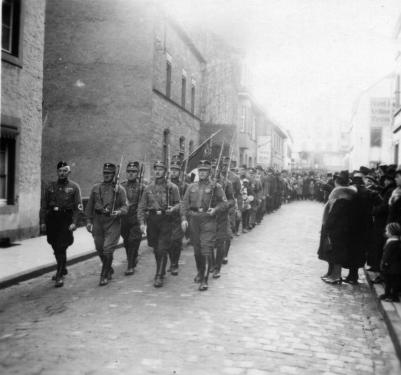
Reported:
(157, 212)
(195, 209)
(59, 209)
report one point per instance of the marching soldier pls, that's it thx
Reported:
(130, 228)
(160, 200)
(262, 206)
(107, 203)
(256, 187)
(177, 234)
(60, 210)
(223, 227)
(202, 201)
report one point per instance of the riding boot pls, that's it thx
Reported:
(103, 275)
(158, 278)
(213, 260)
(219, 259)
(198, 261)
(227, 244)
(59, 274)
(130, 260)
(164, 259)
(205, 272)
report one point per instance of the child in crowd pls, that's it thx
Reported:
(391, 263)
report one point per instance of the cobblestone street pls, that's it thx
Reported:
(269, 313)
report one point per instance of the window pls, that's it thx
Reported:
(193, 98)
(7, 170)
(396, 151)
(11, 10)
(182, 145)
(168, 79)
(375, 137)
(243, 119)
(253, 130)
(183, 91)
(191, 147)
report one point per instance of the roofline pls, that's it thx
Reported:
(187, 40)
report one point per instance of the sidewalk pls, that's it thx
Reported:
(34, 257)
(391, 312)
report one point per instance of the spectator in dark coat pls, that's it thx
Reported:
(394, 209)
(380, 214)
(362, 229)
(391, 263)
(336, 228)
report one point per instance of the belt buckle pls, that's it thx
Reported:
(158, 212)
(56, 208)
(200, 210)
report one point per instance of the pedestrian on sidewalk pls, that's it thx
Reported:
(335, 239)
(391, 263)
(61, 206)
(130, 228)
(159, 202)
(107, 203)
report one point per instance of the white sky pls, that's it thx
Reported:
(310, 58)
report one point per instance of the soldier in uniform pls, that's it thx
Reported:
(107, 203)
(159, 202)
(262, 206)
(130, 228)
(256, 187)
(61, 206)
(223, 227)
(202, 201)
(177, 234)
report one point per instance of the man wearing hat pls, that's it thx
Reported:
(61, 207)
(107, 203)
(130, 229)
(268, 190)
(176, 234)
(159, 202)
(202, 201)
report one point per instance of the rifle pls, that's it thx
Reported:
(141, 173)
(117, 182)
(231, 156)
(217, 167)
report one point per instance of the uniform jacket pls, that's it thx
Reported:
(102, 197)
(158, 196)
(59, 196)
(203, 194)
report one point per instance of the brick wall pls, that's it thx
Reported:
(97, 85)
(21, 99)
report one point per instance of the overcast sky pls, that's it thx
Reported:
(310, 58)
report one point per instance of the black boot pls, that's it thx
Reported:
(106, 269)
(158, 283)
(219, 259)
(205, 272)
(198, 261)
(130, 260)
(59, 275)
(227, 244)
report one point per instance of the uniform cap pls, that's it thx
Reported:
(259, 168)
(62, 164)
(204, 165)
(226, 160)
(245, 180)
(109, 167)
(159, 163)
(252, 170)
(364, 170)
(133, 165)
(175, 165)
(214, 163)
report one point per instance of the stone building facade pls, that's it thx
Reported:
(21, 117)
(120, 78)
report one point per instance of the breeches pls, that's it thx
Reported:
(58, 234)
(159, 233)
(203, 233)
(106, 233)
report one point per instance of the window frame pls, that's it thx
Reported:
(379, 131)
(183, 91)
(15, 57)
(193, 97)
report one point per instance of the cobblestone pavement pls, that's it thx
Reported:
(269, 314)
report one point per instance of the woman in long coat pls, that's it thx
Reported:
(335, 239)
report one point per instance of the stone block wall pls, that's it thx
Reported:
(21, 105)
